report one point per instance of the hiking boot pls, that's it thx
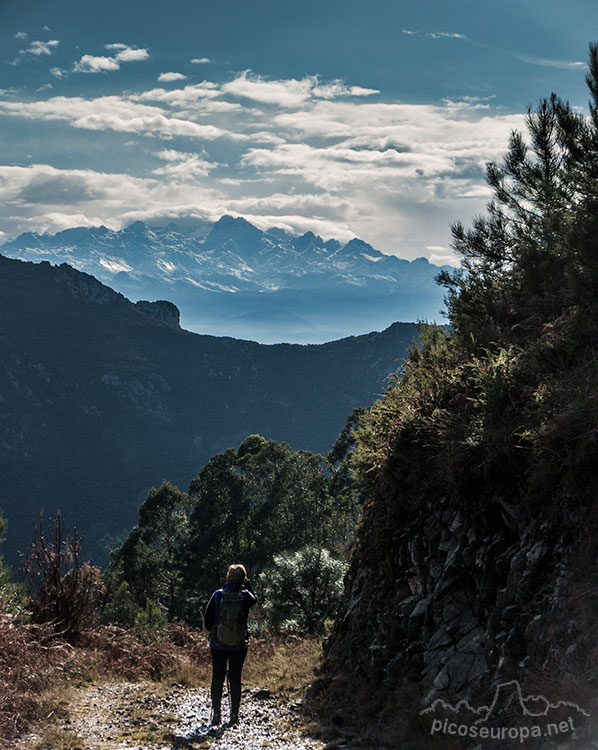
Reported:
(216, 718)
(234, 718)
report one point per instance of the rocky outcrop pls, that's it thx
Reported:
(162, 310)
(444, 606)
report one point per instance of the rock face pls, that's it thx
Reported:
(161, 310)
(445, 605)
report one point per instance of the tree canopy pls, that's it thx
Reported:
(246, 505)
(504, 405)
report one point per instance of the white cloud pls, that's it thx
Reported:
(167, 77)
(338, 88)
(289, 93)
(547, 63)
(37, 49)
(51, 199)
(103, 64)
(446, 35)
(112, 113)
(21, 35)
(42, 48)
(182, 166)
(437, 35)
(132, 55)
(201, 60)
(186, 96)
(327, 158)
(58, 72)
(93, 64)
(442, 256)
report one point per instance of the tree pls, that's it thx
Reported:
(303, 589)
(258, 501)
(246, 505)
(149, 560)
(533, 255)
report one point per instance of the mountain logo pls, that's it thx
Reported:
(510, 717)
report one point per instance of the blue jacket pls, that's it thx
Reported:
(212, 614)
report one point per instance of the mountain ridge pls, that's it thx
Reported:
(101, 398)
(223, 274)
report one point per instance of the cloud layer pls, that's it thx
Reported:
(303, 154)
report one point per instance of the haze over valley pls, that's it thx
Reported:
(230, 278)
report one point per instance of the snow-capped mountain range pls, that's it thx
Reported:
(231, 278)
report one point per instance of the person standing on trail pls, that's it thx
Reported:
(226, 618)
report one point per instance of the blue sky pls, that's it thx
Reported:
(345, 118)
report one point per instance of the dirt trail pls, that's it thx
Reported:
(146, 716)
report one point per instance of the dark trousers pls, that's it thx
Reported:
(220, 659)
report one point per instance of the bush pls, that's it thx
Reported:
(62, 590)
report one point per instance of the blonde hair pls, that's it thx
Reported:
(236, 574)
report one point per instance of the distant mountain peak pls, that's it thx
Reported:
(235, 228)
(339, 288)
(137, 227)
(355, 248)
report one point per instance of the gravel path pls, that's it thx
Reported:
(146, 716)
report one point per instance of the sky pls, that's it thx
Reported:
(371, 119)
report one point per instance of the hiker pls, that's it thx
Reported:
(226, 619)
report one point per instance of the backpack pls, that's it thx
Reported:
(230, 630)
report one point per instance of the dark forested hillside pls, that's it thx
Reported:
(101, 399)
(475, 572)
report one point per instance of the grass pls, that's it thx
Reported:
(282, 664)
(40, 673)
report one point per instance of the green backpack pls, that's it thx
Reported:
(231, 623)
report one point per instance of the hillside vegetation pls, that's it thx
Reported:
(102, 399)
(476, 559)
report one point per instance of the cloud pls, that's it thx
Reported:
(302, 154)
(446, 35)
(42, 48)
(187, 96)
(35, 49)
(51, 199)
(201, 60)
(112, 113)
(21, 35)
(167, 77)
(289, 93)
(93, 64)
(438, 35)
(547, 63)
(338, 88)
(442, 256)
(103, 64)
(132, 55)
(58, 72)
(182, 166)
